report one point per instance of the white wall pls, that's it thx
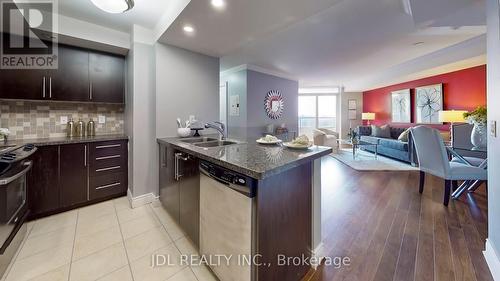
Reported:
(492, 253)
(343, 113)
(187, 83)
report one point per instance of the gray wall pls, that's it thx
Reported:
(345, 123)
(237, 85)
(187, 83)
(140, 120)
(252, 87)
(493, 76)
(258, 85)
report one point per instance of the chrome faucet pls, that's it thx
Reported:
(219, 126)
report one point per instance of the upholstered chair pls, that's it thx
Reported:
(433, 159)
(325, 137)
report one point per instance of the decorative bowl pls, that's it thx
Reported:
(184, 132)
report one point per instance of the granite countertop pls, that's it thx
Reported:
(250, 158)
(65, 140)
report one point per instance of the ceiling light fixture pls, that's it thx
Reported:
(418, 43)
(114, 6)
(188, 29)
(218, 3)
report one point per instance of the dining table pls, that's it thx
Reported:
(468, 185)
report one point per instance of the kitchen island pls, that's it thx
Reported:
(278, 220)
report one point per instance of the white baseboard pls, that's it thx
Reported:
(492, 260)
(141, 199)
(318, 254)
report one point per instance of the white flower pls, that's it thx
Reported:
(4, 132)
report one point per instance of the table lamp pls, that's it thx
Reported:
(452, 116)
(368, 116)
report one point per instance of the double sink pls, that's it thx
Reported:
(207, 142)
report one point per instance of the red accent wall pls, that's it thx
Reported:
(462, 90)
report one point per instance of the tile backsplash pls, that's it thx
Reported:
(32, 119)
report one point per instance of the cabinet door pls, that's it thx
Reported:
(43, 182)
(106, 78)
(70, 81)
(169, 187)
(23, 84)
(74, 180)
(189, 197)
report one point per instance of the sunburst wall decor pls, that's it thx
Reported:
(274, 104)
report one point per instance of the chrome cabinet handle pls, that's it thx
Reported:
(108, 146)
(179, 156)
(107, 185)
(107, 169)
(50, 87)
(108, 157)
(43, 87)
(85, 157)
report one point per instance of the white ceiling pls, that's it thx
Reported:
(145, 13)
(360, 44)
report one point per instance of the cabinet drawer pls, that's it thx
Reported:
(107, 185)
(108, 148)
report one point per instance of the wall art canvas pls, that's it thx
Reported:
(428, 103)
(401, 107)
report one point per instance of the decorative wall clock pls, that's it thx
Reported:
(274, 104)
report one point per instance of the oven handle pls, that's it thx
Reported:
(8, 180)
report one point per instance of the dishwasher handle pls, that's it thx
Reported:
(246, 190)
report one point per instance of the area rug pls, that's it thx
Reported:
(365, 161)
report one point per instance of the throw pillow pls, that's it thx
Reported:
(381, 132)
(404, 135)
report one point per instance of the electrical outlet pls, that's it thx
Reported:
(64, 120)
(493, 129)
(102, 119)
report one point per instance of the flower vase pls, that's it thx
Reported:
(478, 136)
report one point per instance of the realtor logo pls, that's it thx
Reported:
(29, 37)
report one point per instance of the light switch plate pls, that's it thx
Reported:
(493, 128)
(102, 119)
(64, 120)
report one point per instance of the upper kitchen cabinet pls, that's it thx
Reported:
(107, 78)
(82, 75)
(70, 81)
(23, 84)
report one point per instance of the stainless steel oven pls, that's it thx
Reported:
(13, 204)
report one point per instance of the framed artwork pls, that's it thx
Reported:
(274, 104)
(352, 105)
(353, 114)
(401, 106)
(428, 103)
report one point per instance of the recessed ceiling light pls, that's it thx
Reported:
(114, 6)
(188, 29)
(218, 3)
(418, 43)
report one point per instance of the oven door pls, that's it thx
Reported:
(13, 207)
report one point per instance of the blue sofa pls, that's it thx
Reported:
(390, 147)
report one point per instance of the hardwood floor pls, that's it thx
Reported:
(391, 232)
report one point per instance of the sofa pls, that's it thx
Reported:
(389, 147)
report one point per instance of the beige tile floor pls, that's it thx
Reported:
(108, 241)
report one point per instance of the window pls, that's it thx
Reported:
(317, 111)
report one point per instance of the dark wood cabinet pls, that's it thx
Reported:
(68, 176)
(43, 181)
(107, 78)
(82, 75)
(23, 84)
(73, 174)
(70, 81)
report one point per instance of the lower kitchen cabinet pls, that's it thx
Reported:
(73, 175)
(73, 180)
(180, 189)
(43, 183)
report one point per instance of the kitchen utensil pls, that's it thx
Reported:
(179, 125)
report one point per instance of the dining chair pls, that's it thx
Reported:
(433, 159)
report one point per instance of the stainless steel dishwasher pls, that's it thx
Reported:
(227, 215)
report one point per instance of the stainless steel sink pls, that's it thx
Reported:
(214, 143)
(198, 140)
